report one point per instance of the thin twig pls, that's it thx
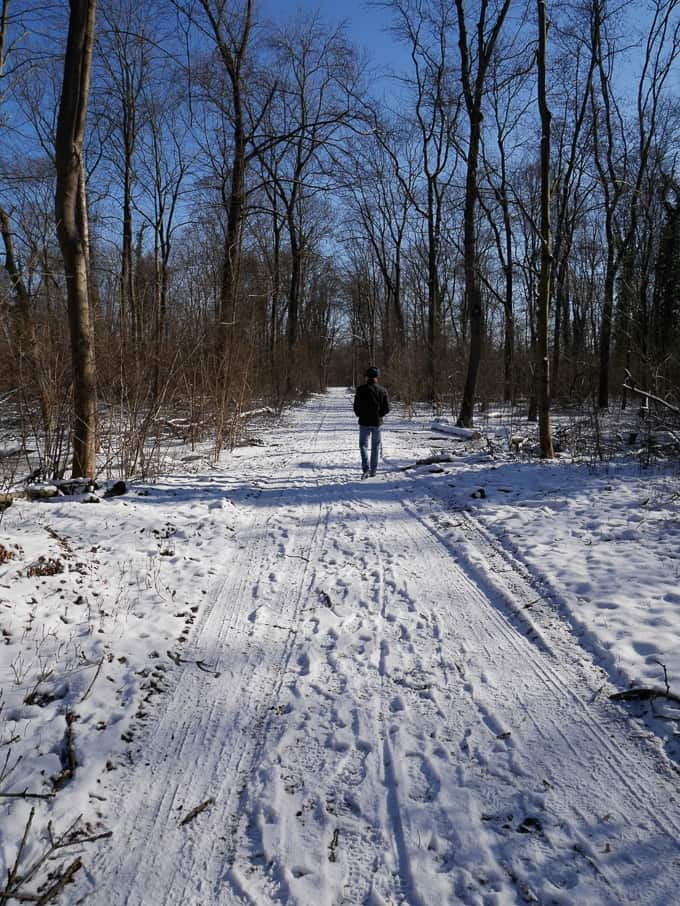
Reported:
(665, 674)
(15, 868)
(26, 795)
(206, 669)
(60, 883)
(81, 838)
(196, 811)
(94, 679)
(629, 384)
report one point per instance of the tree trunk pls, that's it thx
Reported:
(294, 286)
(473, 290)
(70, 211)
(543, 302)
(232, 44)
(127, 303)
(232, 246)
(606, 332)
(509, 348)
(434, 314)
(473, 91)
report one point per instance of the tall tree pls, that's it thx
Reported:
(425, 28)
(573, 182)
(72, 229)
(622, 151)
(382, 182)
(475, 56)
(314, 67)
(230, 26)
(508, 90)
(543, 301)
(125, 42)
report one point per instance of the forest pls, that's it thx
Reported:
(208, 209)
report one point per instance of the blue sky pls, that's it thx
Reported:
(366, 26)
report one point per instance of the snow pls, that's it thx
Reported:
(389, 691)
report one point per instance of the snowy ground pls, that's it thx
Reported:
(271, 682)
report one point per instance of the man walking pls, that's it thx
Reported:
(371, 403)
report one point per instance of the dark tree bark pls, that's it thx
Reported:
(71, 220)
(543, 301)
(473, 91)
(24, 330)
(231, 39)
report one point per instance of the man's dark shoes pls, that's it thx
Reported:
(364, 474)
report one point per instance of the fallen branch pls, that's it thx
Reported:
(629, 384)
(455, 431)
(14, 888)
(176, 659)
(60, 883)
(196, 811)
(26, 795)
(429, 461)
(94, 680)
(644, 694)
(251, 413)
(13, 879)
(432, 460)
(32, 697)
(77, 839)
(42, 899)
(68, 757)
(206, 669)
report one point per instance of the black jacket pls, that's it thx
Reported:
(371, 403)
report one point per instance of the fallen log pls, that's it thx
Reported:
(644, 694)
(455, 431)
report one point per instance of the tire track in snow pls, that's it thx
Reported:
(193, 745)
(387, 734)
(452, 725)
(527, 666)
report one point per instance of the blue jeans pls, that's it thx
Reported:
(372, 432)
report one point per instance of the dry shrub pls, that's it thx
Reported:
(45, 566)
(7, 554)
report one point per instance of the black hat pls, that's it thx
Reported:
(372, 372)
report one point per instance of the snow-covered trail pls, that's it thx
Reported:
(382, 730)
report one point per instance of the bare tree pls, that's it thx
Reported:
(509, 100)
(622, 154)
(475, 57)
(230, 27)
(543, 301)
(425, 29)
(314, 67)
(165, 162)
(573, 184)
(382, 180)
(72, 229)
(125, 55)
